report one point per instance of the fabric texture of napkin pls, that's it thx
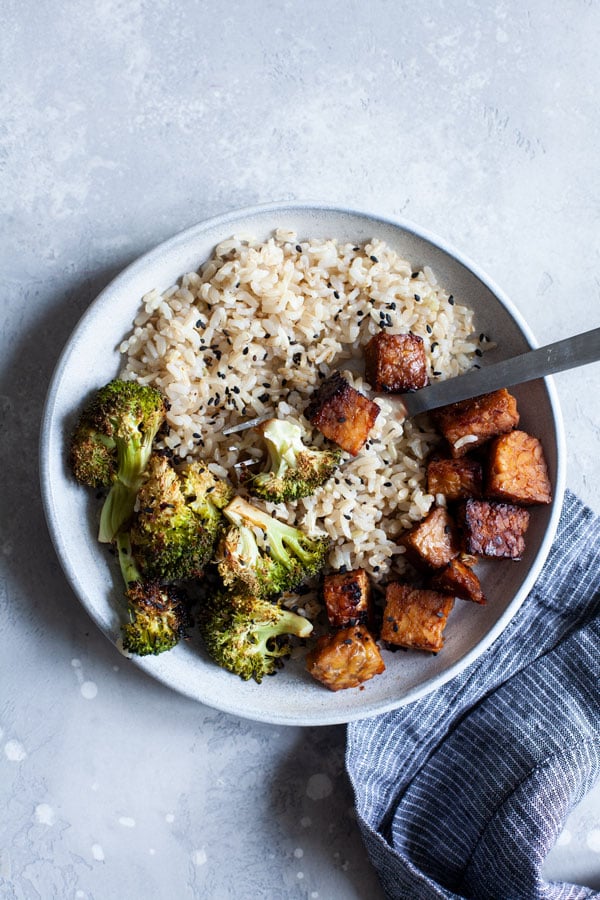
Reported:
(464, 792)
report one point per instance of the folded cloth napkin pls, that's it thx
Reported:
(464, 792)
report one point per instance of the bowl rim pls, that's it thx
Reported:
(221, 222)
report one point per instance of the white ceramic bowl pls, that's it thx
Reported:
(90, 359)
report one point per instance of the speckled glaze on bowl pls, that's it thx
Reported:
(90, 359)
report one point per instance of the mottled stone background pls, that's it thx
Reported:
(124, 121)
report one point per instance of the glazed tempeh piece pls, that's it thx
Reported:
(460, 580)
(493, 529)
(396, 362)
(432, 542)
(517, 470)
(347, 597)
(345, 658)
(456, 479)
(342, 414)
(469, 423)
(415, 618)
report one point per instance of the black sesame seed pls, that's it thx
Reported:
(478, 352)
(417, 297)
(429, 329)
(373, 259)
(263, 398)
(347, 517)
(415, 275)
(245, 351)
(200, 324)
(387, 484)
(451, 300)
(360, 312)
(434, 345)
(336, 295)
(298, 248)
(436, 373)
(297, 358)
(235, 389)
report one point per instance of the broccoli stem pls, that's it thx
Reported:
(289, 624)
(284, 442)
(129, 569)
(117, 509)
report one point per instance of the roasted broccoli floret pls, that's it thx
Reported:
(241, 632)
(178, 519)
(277, 561)
(158, 614)
(294, 470)
(111, 445)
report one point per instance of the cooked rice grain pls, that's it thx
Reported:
(255, 331)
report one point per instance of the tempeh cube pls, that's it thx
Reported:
(517, 470)
(347, 597)
(460, 580)
(342, 414)
(396, 362)
(415, 618)
(345, 658)
(469, 423)
(456, 479)
(493, 529)
(432, 542)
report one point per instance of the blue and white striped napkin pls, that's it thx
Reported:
(463, 793)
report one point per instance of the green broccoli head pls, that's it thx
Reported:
(242, 561)
(178, 522)
(158, 614)
(159, 618)
(241, 633)
(278, 561)
(293, 470)
(92, 456)
(112, 443)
